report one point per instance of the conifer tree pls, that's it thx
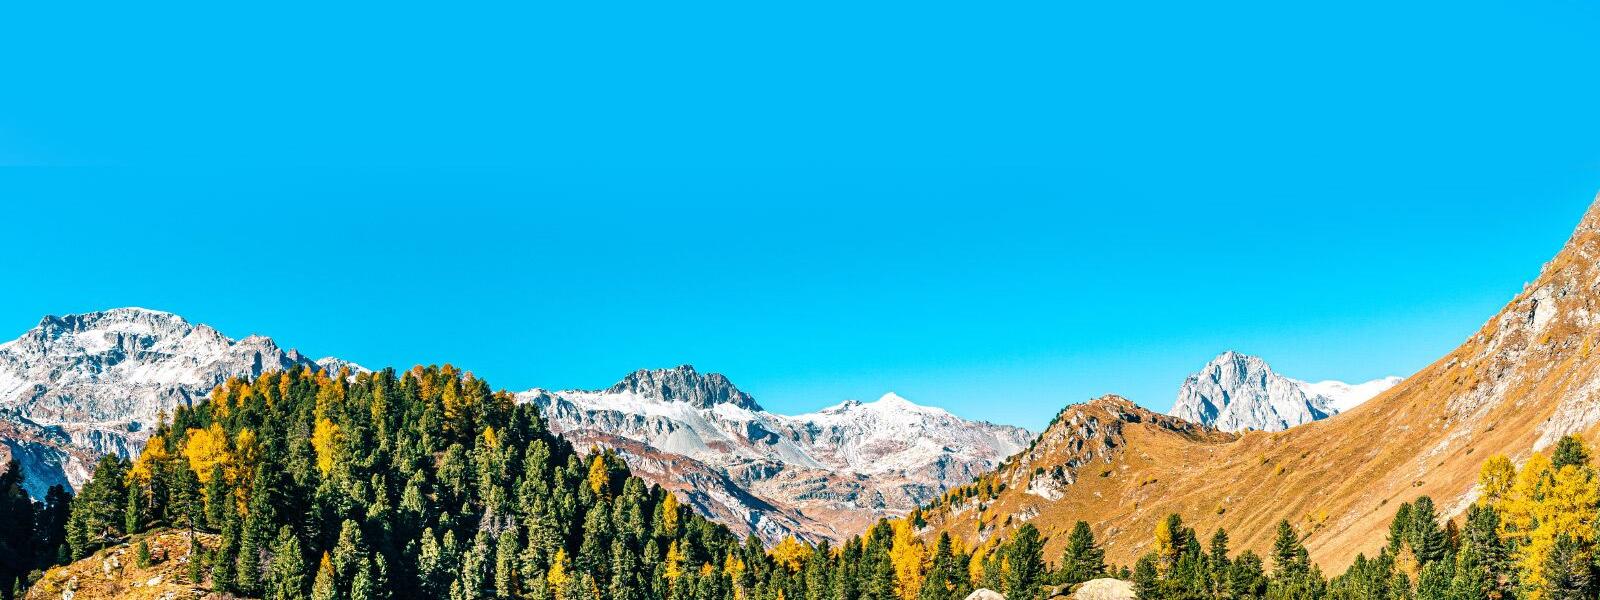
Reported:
(325, 587)
(1146, 581)
(1567, 572)
(1569, 451)
(286, 573)
(1083, 559)
(1024, 570)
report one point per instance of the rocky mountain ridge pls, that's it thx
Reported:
(76, 387)
(821, 475)
(84, 385)
(1236, 392)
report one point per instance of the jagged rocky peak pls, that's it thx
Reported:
(1238, 391)
(684, 384)
(103, 378)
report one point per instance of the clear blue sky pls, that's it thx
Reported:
(999, 208)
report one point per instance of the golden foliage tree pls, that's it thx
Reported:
(791, 554)
(669, 514)
(909, 557)
(599, 475)
(674, 562)
(206, 449)
(558, 577)
(1539, 504)
(325, 439)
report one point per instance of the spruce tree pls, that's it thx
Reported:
(1146, 581)
(1567, 574)
(1569, 450)
(1083, 559)
(286, 573)
(1024, 570)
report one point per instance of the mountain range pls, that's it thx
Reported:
(79, 386)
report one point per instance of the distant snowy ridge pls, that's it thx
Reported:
(1236, 392)
(77, 387)
(818, 475)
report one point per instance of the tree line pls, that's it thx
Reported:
(426, 484)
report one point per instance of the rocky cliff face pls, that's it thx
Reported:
(1235, 392)
(822, 475)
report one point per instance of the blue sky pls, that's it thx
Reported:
(998, 209)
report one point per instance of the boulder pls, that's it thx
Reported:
(1104, 589)
(985, 594)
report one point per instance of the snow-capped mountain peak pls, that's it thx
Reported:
(684, 384)
(103, 378)
(817, 475)
(1238, 391)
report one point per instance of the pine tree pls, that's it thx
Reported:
(197, 560)
(507, 549)
(218, 500)
(1146, 581)
(1024, 564)
(1569, 450)
(944, 579)
(362, 587)
(1246, 576)
(1423, 533)
(1567, 575)
(286, 572)
(1288, 555)
(1083, 559)
(133, 512)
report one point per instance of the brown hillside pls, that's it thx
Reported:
(1524, 379)
(114, 572)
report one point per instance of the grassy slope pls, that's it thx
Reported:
(1526, 377)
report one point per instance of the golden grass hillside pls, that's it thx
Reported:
(1524, 379)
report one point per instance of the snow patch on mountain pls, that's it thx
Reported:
(102, 379)
(827, 471)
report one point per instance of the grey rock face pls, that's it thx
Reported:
(1236, 392)
(684, 384)
(103, 379)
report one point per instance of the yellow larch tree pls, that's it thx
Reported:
(791, 554)
(599, 475)
(325, 439)
(1539, 503)
(674, 562)
(669, 514)
(557, 576)
(149, 461)
(1495, 479)
(909, 557)
(206, 449)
